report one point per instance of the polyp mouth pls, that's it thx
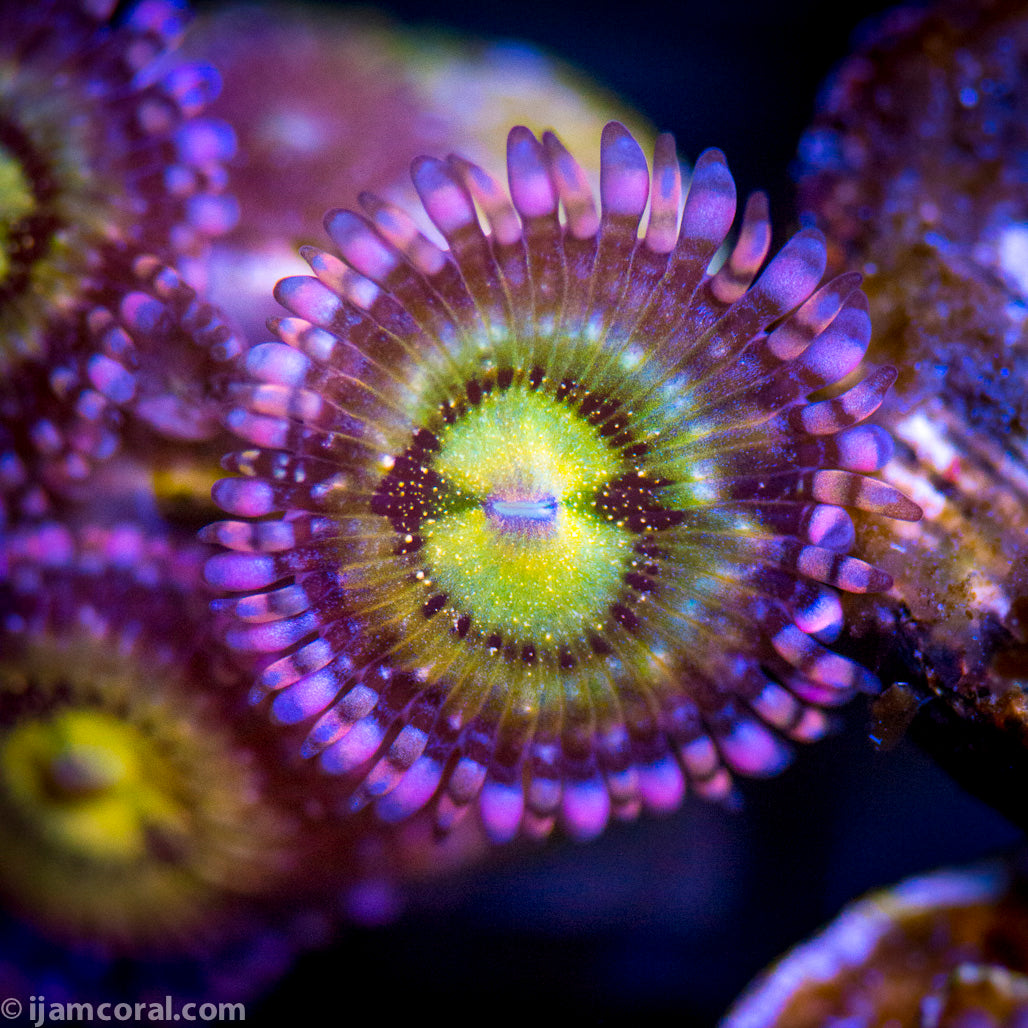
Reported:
(512, 512)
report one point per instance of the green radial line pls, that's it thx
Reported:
(17, 202)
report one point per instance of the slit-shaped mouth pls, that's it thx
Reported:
(541, 509)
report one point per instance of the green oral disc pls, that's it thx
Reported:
(517, 542)
(89, 783)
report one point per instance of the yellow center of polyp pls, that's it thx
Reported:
(518, 542)
(16, 203)
(89, 784)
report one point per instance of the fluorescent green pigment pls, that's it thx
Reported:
(518, 544)
(16, 203)
(521, 435)
(89, 783)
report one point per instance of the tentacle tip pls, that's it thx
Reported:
(614, 133)
(905, 509)
(712, 155)
(519, 135)
(758, 206)
(868, 683)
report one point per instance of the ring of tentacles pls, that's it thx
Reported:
(105, 152)
(547, 519)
